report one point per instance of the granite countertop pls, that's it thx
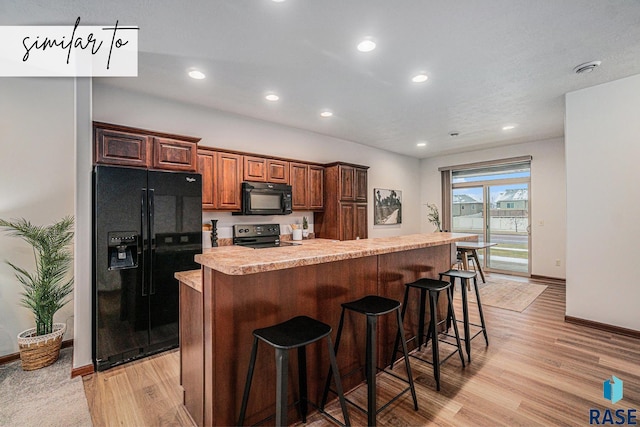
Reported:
(237, 260)
(191, 278)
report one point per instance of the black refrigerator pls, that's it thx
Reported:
(147, 225)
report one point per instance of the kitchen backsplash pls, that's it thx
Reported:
(226, 221)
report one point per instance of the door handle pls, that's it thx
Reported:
(143, 234)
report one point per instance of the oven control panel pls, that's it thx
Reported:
(256, 230)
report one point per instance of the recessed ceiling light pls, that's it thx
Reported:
(326, 114)
(277, 1)
(508, 127)
(421, 144)
(272, 97)
(195, 74)
(587, 67)
(366, 45)
(420, 78)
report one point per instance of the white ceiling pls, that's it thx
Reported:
(490, 63)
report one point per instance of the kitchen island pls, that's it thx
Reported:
(241, 289)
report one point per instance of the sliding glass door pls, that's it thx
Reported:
(493, 203)
(508, 226)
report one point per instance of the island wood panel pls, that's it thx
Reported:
(244, 303)
(394, 271)
(192, 352)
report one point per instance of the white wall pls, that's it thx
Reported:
(602, 149)
(223, 130)
(36, 182)
(547, 196)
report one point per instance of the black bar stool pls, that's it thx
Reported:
(374, 306)
(297, 332)
(433, 287)
(464, 277)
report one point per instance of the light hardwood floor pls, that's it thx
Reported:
(537, 371)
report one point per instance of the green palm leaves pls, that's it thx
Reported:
(45, 290)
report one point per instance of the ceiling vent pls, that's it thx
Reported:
(587, 67)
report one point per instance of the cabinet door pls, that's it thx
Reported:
(171, 154)
(347, 182)
(277, 171)
(316, 187)
(347, 221)
(361, 185)
(122, 148)
(228, 181)
(207, 167)
(360, 221)
(255, 169)
(299, 185)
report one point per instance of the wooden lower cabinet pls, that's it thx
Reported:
(216, 327)
(192, 350)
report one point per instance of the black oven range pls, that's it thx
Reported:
(259, 236)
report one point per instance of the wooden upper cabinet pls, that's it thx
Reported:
(347, 182)
(228, 181)
(255, 168)
(344, 215)
(277, 171)
(175, 155)
(114, 147)
(207, 167)
(298, 174)
(127, 146)
(360, 186)
(316, 187)
(353, 183)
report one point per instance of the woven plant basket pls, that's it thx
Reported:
(38, 351)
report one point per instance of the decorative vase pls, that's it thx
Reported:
(305, 233)
(38, 351)
(214, 233)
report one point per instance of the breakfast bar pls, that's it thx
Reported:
(241, 289)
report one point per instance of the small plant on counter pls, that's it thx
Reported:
(433, 215)
(305, 223)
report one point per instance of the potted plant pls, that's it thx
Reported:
(433, 216)
(305, 227)
(45, 290)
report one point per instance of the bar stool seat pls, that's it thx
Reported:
(374, 306)
(433, 287)
(465, 276)
(297, 332)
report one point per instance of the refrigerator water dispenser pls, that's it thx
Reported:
(123, 250)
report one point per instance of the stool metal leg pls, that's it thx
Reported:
(465, 321)
(397, 342)
(423, 296)
(282, 371)
(455, 327)
(336, 379)
(327, 386)
(371, 370)
(302, 382)
(247, 387)
(484, 328)
(406, 360)
(433, 326)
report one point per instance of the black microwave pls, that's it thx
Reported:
(263, 198)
